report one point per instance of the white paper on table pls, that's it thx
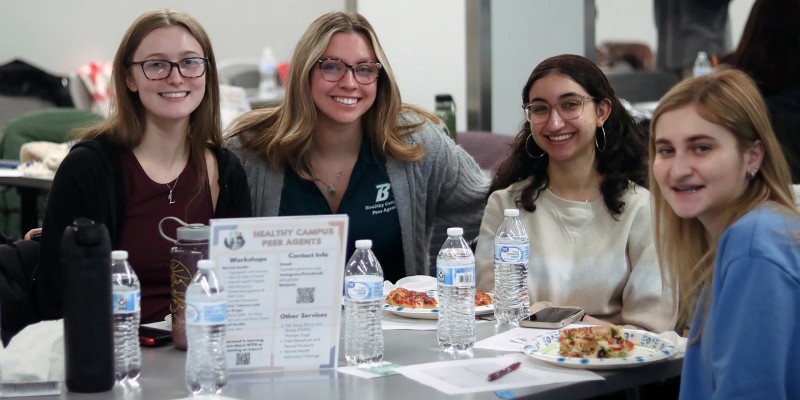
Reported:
(471, 376)
(511, 340)
(377, 370)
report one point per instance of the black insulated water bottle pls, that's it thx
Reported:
(88, 334)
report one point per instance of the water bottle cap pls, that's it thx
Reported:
(364, 244)
(511, 212)
(119, 255)
(194, 232)
(455, 231)
(205, 264)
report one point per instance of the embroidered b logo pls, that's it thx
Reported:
(383, 192)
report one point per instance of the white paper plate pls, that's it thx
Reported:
(647, 348)
(429, 313)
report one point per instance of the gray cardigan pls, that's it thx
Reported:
(445, 183)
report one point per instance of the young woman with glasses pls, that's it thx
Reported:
(343, 142)
(158, 154)
(575, 173)
(728, 235)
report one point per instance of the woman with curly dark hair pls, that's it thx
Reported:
(577, 171)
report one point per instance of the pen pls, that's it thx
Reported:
(501, 373)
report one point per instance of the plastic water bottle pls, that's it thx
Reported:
(206, 315)
(511, 254)
(455, 271)
(702, 65)
(446, 110)
(126, 299)
(267, 85)
(363, 290)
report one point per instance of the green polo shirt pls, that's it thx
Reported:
(368, 201)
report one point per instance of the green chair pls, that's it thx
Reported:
(49, 125)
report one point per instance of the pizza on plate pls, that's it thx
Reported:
(410, 298)
(593, 342)
(402, 297)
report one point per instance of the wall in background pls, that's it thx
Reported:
(424, 40)
(427, 50)
(524, 33)
(60, 36)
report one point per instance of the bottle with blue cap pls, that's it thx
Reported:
(363, 299)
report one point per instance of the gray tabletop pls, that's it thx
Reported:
(163, 377)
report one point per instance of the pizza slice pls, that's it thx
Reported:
(410, 298)
(594, 342)
(482, 299)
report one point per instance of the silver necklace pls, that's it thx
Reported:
(169, 196)
(329, 186)
(585, 201)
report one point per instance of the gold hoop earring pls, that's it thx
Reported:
(529, 153)
(597, 145)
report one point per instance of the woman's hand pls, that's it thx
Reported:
(34, 231)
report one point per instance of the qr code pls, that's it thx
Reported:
(305, 295)
(242, 358)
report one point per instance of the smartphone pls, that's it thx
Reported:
(153, 337)
(552, 317)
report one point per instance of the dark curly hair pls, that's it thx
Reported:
(623, 159)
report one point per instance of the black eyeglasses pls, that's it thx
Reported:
(571, 107)
(193, 67)
(333, 70)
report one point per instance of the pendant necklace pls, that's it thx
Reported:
(329, 186)
(169, 196)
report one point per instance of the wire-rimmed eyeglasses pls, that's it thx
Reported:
(192, 67)
(333, 70)
(570, 107)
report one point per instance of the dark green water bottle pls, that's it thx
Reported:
(446, 110)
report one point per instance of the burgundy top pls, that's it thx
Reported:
(147, 203)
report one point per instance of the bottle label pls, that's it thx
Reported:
(363, 287)
(126, 302)
(461, 276)
(512, 253)
(212, 313)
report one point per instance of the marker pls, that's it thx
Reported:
(501, 373)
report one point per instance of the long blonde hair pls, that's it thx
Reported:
(686, 251)
(126, 122)
(283, 134)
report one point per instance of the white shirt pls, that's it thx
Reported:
(581, 256)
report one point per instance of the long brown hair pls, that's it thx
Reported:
(283, 134)
(126, 122)
(621, 161)
(686, 251)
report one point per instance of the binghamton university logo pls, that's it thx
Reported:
(383, 192)
(234, 241)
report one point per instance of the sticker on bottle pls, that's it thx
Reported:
(512, 253)
(212, 313)
(363, 287)
(462, 276)
(126, 302)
